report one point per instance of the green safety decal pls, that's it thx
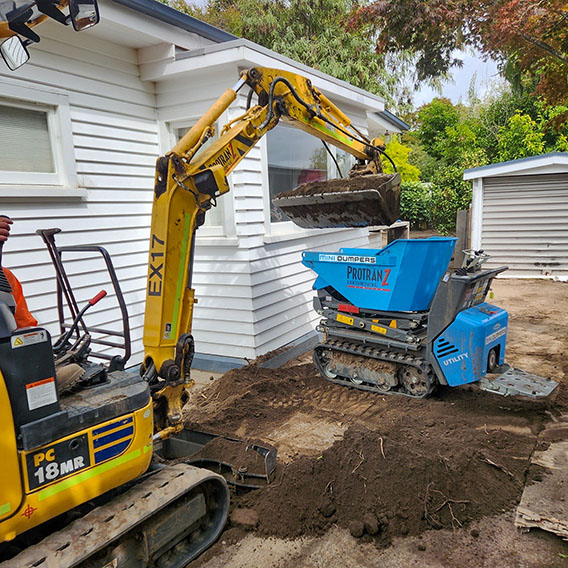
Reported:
(175, 315)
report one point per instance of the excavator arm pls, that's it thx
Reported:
(187, 185)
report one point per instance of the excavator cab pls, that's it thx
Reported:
(64, 447)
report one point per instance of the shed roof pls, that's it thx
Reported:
(552, 163)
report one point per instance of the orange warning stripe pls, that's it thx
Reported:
(42, 382)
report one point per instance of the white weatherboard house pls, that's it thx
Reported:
(80, 128)
(520, 215)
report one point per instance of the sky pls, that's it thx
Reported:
(457, 89)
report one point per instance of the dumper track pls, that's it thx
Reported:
(166, 520)
(405, 362)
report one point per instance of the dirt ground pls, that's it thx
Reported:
(365, 480)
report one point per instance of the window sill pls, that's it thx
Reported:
(38, 191)
(301, 234)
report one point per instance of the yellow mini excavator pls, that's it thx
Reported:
(95, 444)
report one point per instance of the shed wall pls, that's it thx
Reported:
(525, 224)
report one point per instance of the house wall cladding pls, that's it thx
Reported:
(115, 138)
(254, 294)
(525, 224)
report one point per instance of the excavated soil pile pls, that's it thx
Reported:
(351, 202)
(397, 484)
(356, 183)
(379, 466)
(252, 397)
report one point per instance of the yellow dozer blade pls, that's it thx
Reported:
(360, 201)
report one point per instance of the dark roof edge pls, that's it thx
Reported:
(390, 117)
(176, 18)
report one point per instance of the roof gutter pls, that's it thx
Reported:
(394, 120)
(178, 19)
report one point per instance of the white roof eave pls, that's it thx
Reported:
(132, 29)
(384, 125)
(242, 53)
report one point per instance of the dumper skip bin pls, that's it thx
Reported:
(403, 276)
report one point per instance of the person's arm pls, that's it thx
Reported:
(5, 228)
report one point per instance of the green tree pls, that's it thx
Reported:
(416, 203)
(521, 137)
(554, 124)
(450, 136)
(314, 33)
(494, 113)
(399, 154)
(460, 143)
(432, 121)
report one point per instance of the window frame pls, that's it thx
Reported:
(63, 181)
(274, 230)
(227, 229)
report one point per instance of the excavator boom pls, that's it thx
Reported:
(190, 178)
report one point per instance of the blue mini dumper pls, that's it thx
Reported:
(397, 320)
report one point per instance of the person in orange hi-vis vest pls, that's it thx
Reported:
(23, 316)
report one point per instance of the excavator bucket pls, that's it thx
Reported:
(360, 201)
(244, 464)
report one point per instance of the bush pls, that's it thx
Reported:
(416, 203)
(450, 194)
(399, 154)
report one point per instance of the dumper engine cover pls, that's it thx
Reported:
(463, 348)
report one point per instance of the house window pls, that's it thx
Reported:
(215, 217)
(25, 144)
(295, 157)
(36, 143)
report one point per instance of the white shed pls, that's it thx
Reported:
(520, 215)
(105, 103)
